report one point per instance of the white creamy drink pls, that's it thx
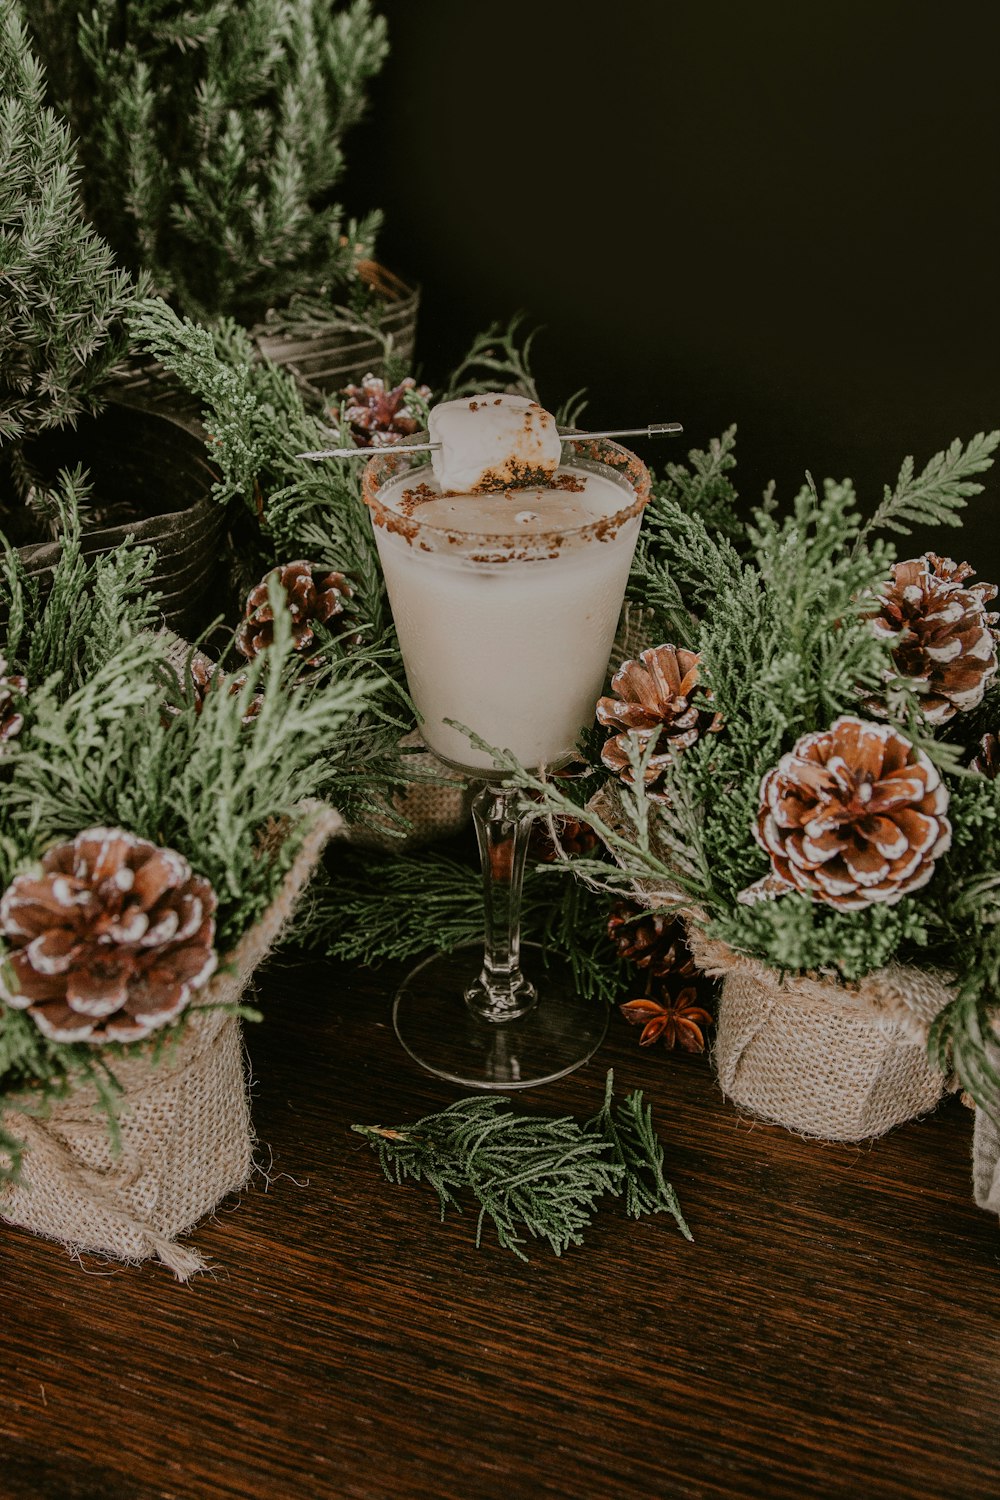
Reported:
(506, 603)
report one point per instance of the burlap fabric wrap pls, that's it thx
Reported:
(186, 1140)
(839, 1062)
(435, 803)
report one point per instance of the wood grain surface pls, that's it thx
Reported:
(832, 1331)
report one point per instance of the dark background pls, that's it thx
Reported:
(778, 214)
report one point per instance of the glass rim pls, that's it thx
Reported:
(387, 465)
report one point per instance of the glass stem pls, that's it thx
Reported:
(501, 993)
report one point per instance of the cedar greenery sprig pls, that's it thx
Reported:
(202, 782)
(258, 423)
(500, 359)
(542, 1176)
(637, 1150)
(938, 494)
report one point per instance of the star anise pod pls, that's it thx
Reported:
(378, 418)
(676, 1020)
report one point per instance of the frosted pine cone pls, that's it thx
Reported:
(12, 687)
(315, 596)
(853, 815)
(378, 417)
(110, 941)
(945, 643)
(653, 696)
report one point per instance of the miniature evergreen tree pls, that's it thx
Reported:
(61, 299)
(210, 135)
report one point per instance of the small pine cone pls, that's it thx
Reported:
(315, 596)
(653, 697)
(576, 838)
(987, 760)
(12, 687)
(651, 940)
(945, 644)
(110, 941)
(205, 676)
(379, 418)
(854, 815)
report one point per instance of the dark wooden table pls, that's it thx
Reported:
(832, 1331)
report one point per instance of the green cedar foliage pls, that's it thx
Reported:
(543, 1176)
(257, 424)
(114, 737)
(62, 301)
(211, 135)
(294, 508)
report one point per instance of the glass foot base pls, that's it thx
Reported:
(443, 1035)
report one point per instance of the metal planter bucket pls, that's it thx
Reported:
(157, 464)
(333, 348)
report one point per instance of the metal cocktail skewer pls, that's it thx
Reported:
(652, 430)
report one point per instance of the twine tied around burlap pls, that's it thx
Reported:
(186, 1138)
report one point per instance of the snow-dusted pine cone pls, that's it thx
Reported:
(379, 417)
(945, 643)
(12, 688)
(109, 941)
(854, 815)
(653, 696)
(315, 596)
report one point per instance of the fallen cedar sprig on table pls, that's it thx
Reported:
(541, 1175)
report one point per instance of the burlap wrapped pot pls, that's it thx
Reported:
(844, 1063)
(186, 1139)
(839, 1062)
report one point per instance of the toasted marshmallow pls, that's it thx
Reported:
(493, 442)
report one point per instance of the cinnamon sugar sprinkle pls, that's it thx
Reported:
(537, 479)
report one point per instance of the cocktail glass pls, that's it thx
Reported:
(507, 633)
